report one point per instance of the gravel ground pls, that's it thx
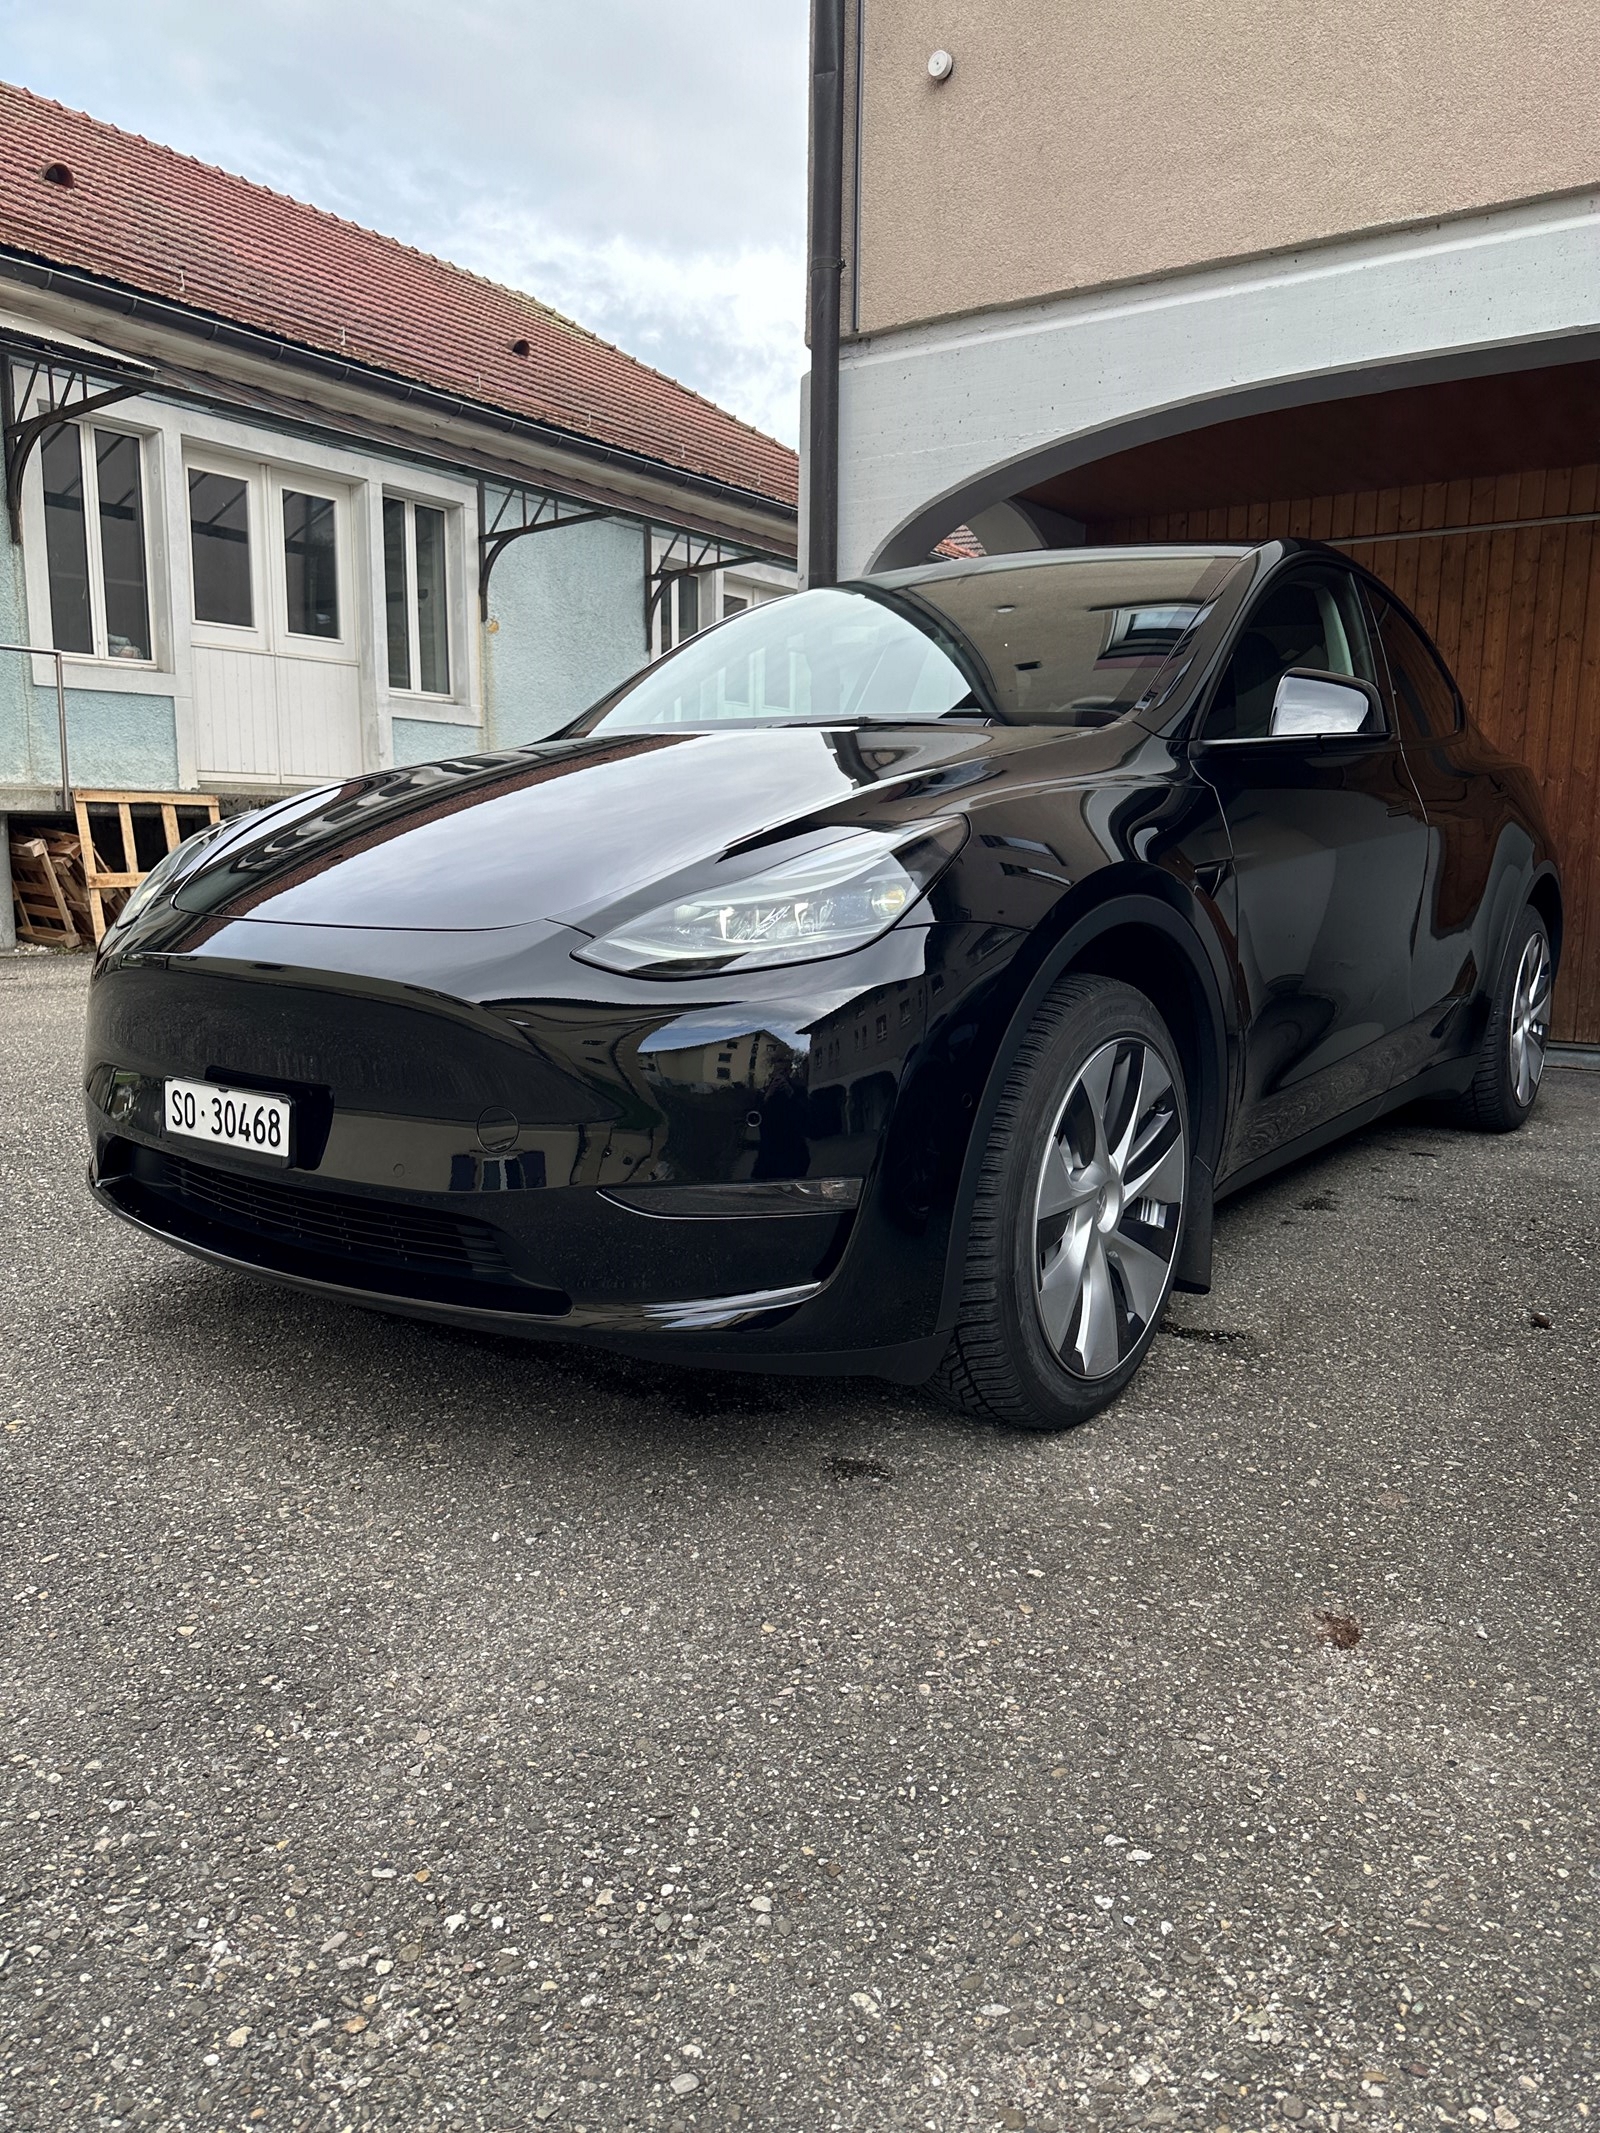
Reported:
(402, 1729)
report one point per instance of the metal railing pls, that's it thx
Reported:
(39, 651)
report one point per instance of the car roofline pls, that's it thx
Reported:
(1046, 558)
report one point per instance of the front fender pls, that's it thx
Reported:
(1115, 919)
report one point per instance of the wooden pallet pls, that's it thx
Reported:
(100, 812)
(44, 913)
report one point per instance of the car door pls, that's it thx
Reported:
(1329, 846)
(1452, 945)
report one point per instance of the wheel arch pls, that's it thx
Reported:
(1544, 893)
(1139, 937)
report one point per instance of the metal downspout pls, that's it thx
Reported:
(826, 272)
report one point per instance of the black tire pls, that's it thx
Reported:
(1002, 1364)
(1502, 1095)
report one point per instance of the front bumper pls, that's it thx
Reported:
(457, 1158)
(535, 1311)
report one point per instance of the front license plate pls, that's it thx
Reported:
(230, 1118)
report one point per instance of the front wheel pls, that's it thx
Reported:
(1079, 1212)
(1515, 1038)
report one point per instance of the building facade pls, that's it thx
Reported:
(1129, 273)
(294, 503)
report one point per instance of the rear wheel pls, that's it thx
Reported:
(1079, 1211)
(1511, 1062)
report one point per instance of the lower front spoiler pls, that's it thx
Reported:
(660, 1331)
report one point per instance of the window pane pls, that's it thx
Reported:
(775, 691)
(732, 605)
(310, 564)
(394, 592)
(1054, 639)
(1426, 700)
(1313, 621)
(65, 541)
(122, 545)
(688, 607)
(433, 607)
(736, 684)
(219, 541)
(826, 653)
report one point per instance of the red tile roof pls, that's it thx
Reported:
(961, 546)
(167, 226)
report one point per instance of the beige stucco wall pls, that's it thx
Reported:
(1085, 142)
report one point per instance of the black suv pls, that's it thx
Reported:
(888, 980)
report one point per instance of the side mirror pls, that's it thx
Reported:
(1310, 706)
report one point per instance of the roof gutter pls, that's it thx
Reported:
(294, 355)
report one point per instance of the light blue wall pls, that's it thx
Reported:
(14, 684)
(113, 739)
(570, 609)
(426, 740)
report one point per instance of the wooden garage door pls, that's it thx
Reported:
(1516, 612)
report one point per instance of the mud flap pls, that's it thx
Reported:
(1193, 1274)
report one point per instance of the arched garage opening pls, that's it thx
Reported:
(1477, 499)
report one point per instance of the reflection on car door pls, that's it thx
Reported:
(1329, 845)
(1453, 946)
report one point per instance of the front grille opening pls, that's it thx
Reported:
(358, 1229)
(343, 1238)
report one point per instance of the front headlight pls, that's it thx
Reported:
(822, 902)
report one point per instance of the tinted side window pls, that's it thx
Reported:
(1314, 621)
(1424, 695)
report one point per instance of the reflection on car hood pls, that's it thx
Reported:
(564, 830)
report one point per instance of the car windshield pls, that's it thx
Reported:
(1060, 640)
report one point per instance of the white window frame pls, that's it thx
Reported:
(265, 486)
(231, 636)
(148, 443)
(413, 692)
(753, 582)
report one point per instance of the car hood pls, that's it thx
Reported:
(569, 829)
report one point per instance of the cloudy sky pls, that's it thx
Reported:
(639, 164)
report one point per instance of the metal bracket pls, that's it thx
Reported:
(521, 510)
(686, 555)
(62, 377)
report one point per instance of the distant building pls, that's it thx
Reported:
(297, 502)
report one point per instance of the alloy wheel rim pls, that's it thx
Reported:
(1108, 1207)
(1530, 1019)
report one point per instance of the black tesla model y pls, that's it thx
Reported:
(889, 980)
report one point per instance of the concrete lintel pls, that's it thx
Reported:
(32, 800)
(938, 422)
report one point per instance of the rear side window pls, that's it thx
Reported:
(1425, 696)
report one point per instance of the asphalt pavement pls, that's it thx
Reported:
(401, 1729)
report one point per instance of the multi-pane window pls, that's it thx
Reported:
(265, 555)
(94, 529)
(416, 596)
(679, 610)
(311, 564)
(685, 602)
(219, 543)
